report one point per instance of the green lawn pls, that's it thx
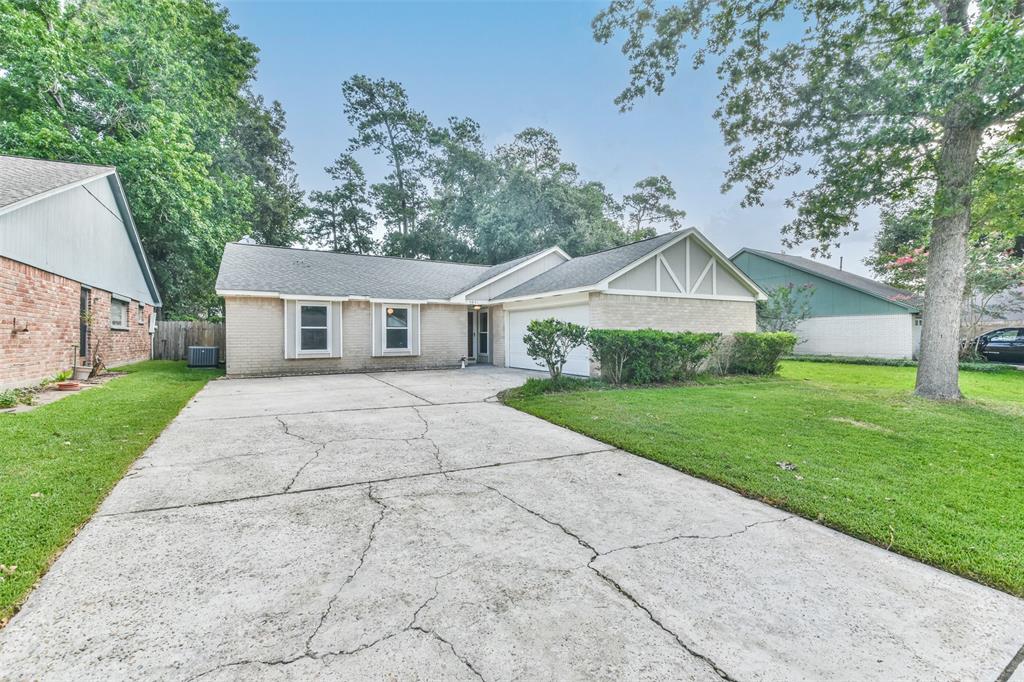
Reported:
(59, 461)
(943, 483)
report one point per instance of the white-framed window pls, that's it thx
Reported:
(118, 313)
(140, 314)
(396, 327)
(313, 328)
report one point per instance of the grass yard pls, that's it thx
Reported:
(59, 461)
(943, 483)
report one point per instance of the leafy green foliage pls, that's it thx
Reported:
(445, 196)
(760, 352)
(649, 356)
(59, 461)
(950, 497)
(160, 90)
(340, 218)
(387, 126)
(535, 387)
(647, 207)
(787, 306)
(550, 341)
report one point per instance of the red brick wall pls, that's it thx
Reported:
(48, 305)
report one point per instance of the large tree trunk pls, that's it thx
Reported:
(938, 370)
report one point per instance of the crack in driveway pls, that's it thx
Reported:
(352, 484)
(362, 559)
(614, 584)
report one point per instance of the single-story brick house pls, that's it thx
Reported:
(69, 252)
(292, 311)
(851, 316)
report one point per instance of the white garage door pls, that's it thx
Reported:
(579, 359)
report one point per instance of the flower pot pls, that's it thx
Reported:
(81, 373)
(68, 385)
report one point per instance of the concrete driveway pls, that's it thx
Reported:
(405, 526)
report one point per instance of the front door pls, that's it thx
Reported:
(483, 336)
(478, 336)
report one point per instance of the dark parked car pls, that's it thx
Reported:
(1003, 345)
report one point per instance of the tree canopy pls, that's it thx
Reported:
(445, 195)
(160, 89)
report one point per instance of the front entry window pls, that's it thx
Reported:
(313, 328)
(396, 328)
(471, 326)
(484, 332)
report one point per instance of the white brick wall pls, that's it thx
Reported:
(868, 336)
(255, 339)
(611, 311)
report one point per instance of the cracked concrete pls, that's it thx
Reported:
(405, 526)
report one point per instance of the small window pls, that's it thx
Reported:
(396, 328)
(1003, 335)
(118, 314)
(140, 315)
(313, 336)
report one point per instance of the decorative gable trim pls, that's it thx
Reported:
(718, 259)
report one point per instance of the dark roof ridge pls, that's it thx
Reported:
(365, 255)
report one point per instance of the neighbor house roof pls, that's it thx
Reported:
(249, 267)
(25, 181)
(588, 270)
(864, 284)
(22, 179)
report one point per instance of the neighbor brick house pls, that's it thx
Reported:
(74, 282)
(292, 311)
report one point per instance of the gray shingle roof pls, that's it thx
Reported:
(22, 178)
(587, 270)
(869, 286)
(300, 272)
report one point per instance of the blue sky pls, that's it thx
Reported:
(509, 66)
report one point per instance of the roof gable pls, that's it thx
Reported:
(73, 220)
(843, 278)
(23, 180)
(504, 276)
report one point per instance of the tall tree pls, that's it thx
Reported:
(265, 155)
(340, 218)
(648, 206)
(889, 101)
(461, 178)
(158, 89)
(386, 125)
(540, 201)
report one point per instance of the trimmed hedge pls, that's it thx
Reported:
(760, 352)
(648, 356)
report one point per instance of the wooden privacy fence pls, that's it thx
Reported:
(173, 337)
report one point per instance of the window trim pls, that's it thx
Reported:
(299, 350)
(124, 323)
(407, 348)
